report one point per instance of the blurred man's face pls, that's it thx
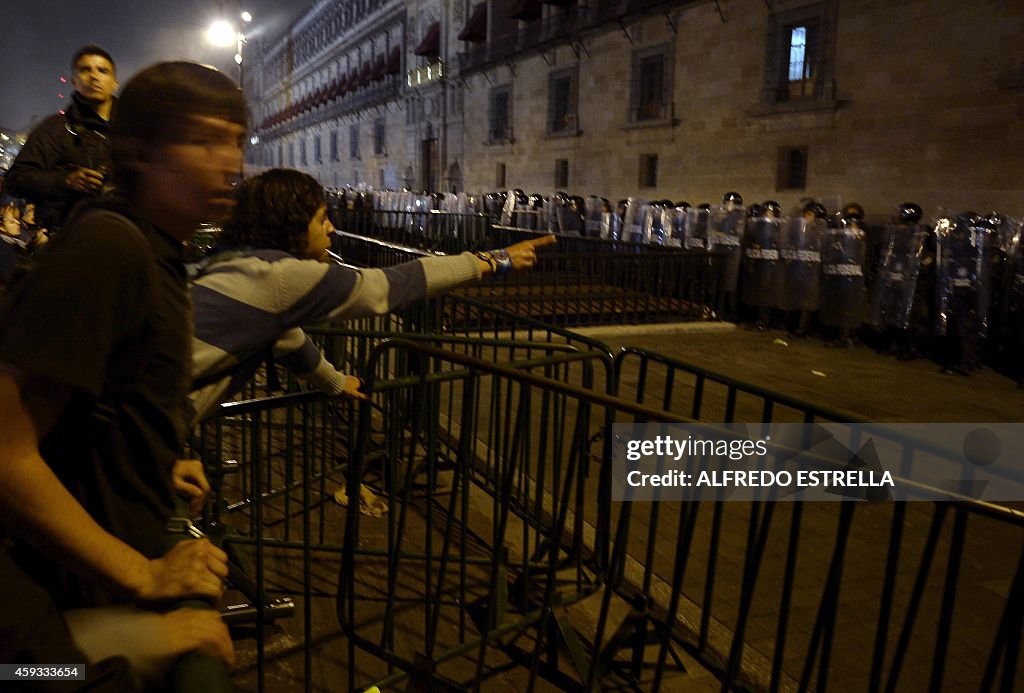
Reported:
(193, 175)
(94, 79)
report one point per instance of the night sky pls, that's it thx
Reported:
(40, 35)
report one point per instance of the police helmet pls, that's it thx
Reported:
(910, 213)
(853, 211)
(815, 208)
(772, 207)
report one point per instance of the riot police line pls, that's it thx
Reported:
(951, 288)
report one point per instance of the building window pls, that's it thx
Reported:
(334, 146)
(318, 156)
(353, 141)
(379, 147)
(648, 170)
(302, 151)
(798, 64)
(499, 176)
(562, 102)
(651, 85)
(792, 174)
(291, 154)
(561, 173)
(500, 115)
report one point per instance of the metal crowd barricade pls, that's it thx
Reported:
(292, 451)
(578, 289)
(491, 540)
(810, 583)
(434, 230)
(805, 583)
(274, 464)
(799, 596)
(500, 525)
(672, 384)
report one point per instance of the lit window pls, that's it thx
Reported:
(797, 53)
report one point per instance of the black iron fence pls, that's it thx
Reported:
(488, 435)
(576, 288)
(502, 549)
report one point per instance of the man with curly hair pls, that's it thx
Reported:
(268, 277)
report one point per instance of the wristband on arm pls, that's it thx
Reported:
(499, 261)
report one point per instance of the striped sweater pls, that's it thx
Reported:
(245, 302)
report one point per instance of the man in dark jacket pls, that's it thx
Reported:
(94, 377)
(67, 157)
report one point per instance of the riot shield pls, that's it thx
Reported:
(694, 230)
(842, 277)
(671, 226)
(509, 208)
(725, 233)
(611, 226)
(961, 277)
(652, 231)
(1010, 343)
(493, 206)
(592, 223)
(762, 264)
(800, 249)
(896, 278)
(1013, 277)
(632, 220)
(552, 214)
(569, 219)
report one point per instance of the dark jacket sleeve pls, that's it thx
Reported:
(38, 173)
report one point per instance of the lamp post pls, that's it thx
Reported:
(223, 33)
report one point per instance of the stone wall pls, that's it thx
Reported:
(926, 103)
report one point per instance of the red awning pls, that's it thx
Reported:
(379, 67)
(353, 79)
(431, 43)
(476, 28)
(394, 65)
(526, 10)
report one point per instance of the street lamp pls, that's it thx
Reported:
(223, 33)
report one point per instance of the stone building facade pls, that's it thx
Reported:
(844, 100)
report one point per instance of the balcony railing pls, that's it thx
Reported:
(419, 76)
(558, 29)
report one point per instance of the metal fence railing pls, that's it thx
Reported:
(488, 432)
(503, 550)
(451, 232)
(576, 289)
(660, 381)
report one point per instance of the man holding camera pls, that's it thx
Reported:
(66, 158)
